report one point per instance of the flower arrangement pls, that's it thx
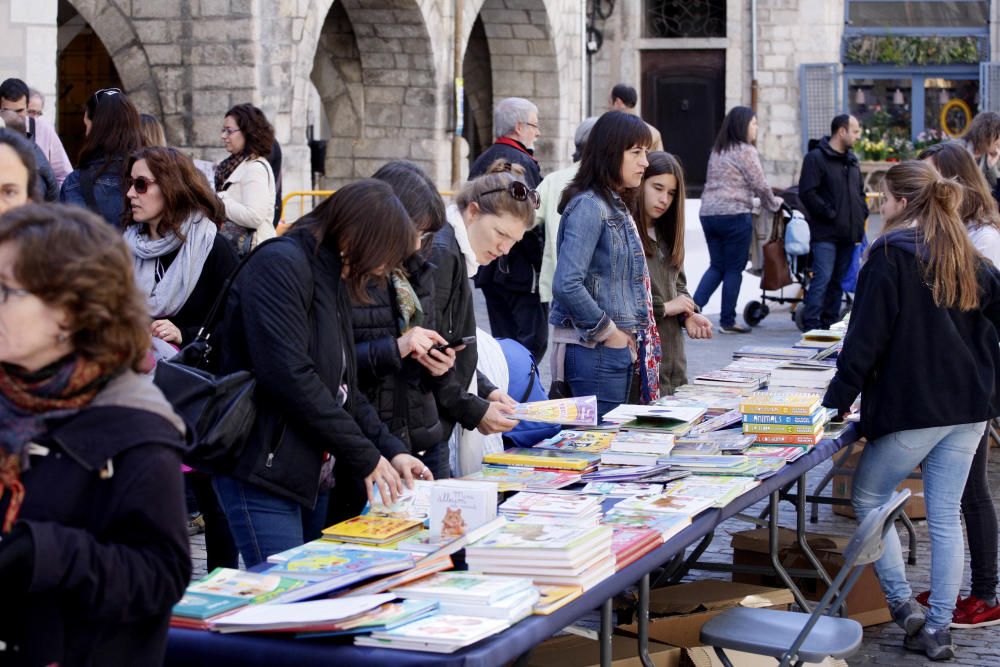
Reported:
(905, 50)
(927, 138)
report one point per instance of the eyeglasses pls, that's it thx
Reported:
(34, 113)
(520, 192)
(531, 125)
(7, 292)
(228, 131)
(140, 183)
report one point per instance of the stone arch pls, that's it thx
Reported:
(115, 30)
(374, 69)
(523, 63)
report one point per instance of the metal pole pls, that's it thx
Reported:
(753, 55)
(456, 141)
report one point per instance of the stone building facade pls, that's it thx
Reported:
(374, 77)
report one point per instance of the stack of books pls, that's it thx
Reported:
(771, 352)
(723, 420)
(311, 616)
(467, 594)
(222, 591)
(326, 567)
(437, 633)
(744, 381)
(820, 339)
(808, 374)
(561, 508)
(549, 553)
(661, 419)
(780, 418)
(387, 617)
(637, 448)
(519, 479)
(594, 442)
(544, 459)
(666, 524)
(717, 398)
(715, 442)
(666, 503)
(620, 489)
(627, 473)
(372, 530)
(720, 490)
(630, 544)
(713, 465)
(787, 452)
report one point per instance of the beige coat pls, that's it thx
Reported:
(249, 198)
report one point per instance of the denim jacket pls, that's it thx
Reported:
(599, 282)
(107, 190)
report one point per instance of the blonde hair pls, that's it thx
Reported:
(933, 203)
(489, 193)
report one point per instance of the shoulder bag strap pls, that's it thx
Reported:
(204, 332)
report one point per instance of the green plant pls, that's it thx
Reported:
(912, 50)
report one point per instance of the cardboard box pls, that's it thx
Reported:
(865, 603)
(575, 651)
(843, 483)
(678, 612)
(704, 656)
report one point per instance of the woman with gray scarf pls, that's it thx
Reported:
(181, 261)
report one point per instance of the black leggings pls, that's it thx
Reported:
(981, 524)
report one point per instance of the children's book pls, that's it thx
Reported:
(817, 417)
(517, 479)
(512, 608)
(464, 587)
(669, 503)
(540, 540)
(772, 403)
(543, 458)
(784, 429)
(277, 616)
(555, 597)
(789, 439)
(576, 411)
(388, 616)
(594, 442)
(630, 544)
(642, 443)
(625, 473)
(550, 503)
(371, 529)
(458, 506)
(440, 633)
(328, 566)
(413, 503)
(621, 489)
(788, 453)
(224, 589)
(424, 568)
(610, 458)
(666, 524)
(714, 424)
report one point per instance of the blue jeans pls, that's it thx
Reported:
(945, 455)
(264, 524)
(728, 238)
(830, 262)
(603, 371)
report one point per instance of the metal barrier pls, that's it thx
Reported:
(302, 194)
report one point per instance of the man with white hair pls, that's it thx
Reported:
(510, 284)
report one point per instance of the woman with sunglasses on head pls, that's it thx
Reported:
(244, 180)
(18, 185)
(735, 179)
(172, 227)
(93, 546)
(490, 214)
(659, 211)
(395, 340)
(922, 350)
(288, 319)
(602, 309)
(113, 132)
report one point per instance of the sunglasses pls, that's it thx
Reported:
(106, 92)
(140, 183)
(520, 192)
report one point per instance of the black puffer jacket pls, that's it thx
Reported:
(397, 388)
(833, 191)
(288, 318)
(104, 505)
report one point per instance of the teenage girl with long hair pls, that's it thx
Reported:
(659, 211)
(923, 351)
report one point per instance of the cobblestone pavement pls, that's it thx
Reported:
(882, 644)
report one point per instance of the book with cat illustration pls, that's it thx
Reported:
(458, 506)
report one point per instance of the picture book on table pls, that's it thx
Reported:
(325, 559)
(621, 489)
(676, 414)
(464, 587)
(388, 616)
(550, 503)
(373, 529)
(224, 589)
(578, 441)
(516, 479)
(669, 503)
(552, 597)
(544, 537)
(443, 629)
(780, 403)
(543, 458)
(577, 411)
(412, 503)
(667, 525)
(458, 506)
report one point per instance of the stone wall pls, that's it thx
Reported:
(29, 45)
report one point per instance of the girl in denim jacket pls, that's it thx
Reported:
(601, 301)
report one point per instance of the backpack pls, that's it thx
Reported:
(525, 385)
(797, 235)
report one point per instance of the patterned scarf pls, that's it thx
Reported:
(27, 400)
(650, 352)
(411, 313)
(225, 169)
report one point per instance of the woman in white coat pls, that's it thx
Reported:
(244, 180)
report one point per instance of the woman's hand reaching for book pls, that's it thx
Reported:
(389, 483)
(411, 468)
(498, 419)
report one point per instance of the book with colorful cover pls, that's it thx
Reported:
(665, 524)
(784, 429)
(388, 616)
(718, 422)
(628, 544)
(543, 458)
(464, 587)
(440, 633)
(319, 559)
(789, 420)
(620, 489)
(512, 608)
(542, 540)
(720, 489)
(666, 503)
(576, 411)
(518, 479)
(724, 378)
(610, 458)
(413, 503)
(642, 443)
(775, 403)
(550, 504)
(424, 568)
(371, 529)
(458, 506)
(768, 465)
(625, 473)
(225, 589)
(594, 442)
(773, 352)
(552, 597)
(276, 616)
(789, 439)
(789, 453)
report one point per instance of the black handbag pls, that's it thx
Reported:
(218, 408)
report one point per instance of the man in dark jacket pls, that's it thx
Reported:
(832, 189)
(510, 284)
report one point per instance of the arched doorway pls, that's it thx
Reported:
(477, 74)
(84, 65)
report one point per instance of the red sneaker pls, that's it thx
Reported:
(923, 598)
(975, 613)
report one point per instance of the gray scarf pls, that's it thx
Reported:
(168, 295)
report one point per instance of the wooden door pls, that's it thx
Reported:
(683, 95)
(84, 67)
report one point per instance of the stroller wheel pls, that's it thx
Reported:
(754, 312)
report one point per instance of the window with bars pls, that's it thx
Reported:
(685, 18)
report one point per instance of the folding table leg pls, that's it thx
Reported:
(776, 556)
(800, 530)
(818, 491)
(643, 613)
(911, 558)
(606, 633)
